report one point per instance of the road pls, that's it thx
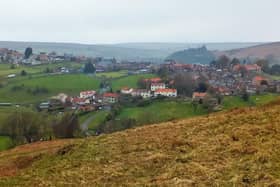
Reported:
(85, 124)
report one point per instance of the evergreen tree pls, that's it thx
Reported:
(89, 68)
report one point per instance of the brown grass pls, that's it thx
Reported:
(236, 148)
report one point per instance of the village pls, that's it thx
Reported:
(228, 78)
(235, 81)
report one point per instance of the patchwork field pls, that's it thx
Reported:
(5, 69)
(17, 91)
(236, 148)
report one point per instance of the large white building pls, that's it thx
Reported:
(87, 94)
(166, 92)
(126, 90)
(141, 92)
(156, 86)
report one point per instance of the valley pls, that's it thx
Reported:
(241, 145)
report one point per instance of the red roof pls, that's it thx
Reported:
(252, 67)
(78, 100)
(153, 80)
(259, 78)
(166, 90)
(199, 94)
(237, 67)
(110, 95)
(157, 84)
(126, 88)
(248, 67)
(92, 92)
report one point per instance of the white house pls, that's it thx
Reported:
(110, 98)
(126, 90)
(61, 97)
(156, 86)
(88, 94)
(166, 92)
(11, 76)
(141, 92)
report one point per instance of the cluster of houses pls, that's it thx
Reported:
(235, 80)
(91, 100)
(156, 88)
(87, 101)
(111, 64)
(10, 56)
(101, 64)
(16, 57)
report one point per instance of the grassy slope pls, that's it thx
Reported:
(130, 81)
(71, 84)
(5, 143)
(235, 148)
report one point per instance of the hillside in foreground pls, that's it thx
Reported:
(236, 148)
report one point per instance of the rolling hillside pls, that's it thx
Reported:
(193, 56)
(270, 50)
(236, 148)
(155, 52)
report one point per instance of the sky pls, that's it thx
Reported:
(124, 21)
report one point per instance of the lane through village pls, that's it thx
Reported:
(85, 124)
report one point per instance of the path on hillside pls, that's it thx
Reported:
(85, 124)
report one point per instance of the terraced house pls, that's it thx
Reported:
(156, 86)
(166, 92)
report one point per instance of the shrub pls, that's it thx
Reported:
(67, 127)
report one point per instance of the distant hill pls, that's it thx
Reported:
(236, 148)
(155, 52)
(269, 51)
(193, 56)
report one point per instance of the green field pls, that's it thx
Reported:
(70, 84)
(5, 143)
(129, 81)
(99, 118)
(254, 100)
(117, 74)
(5, 69)
(160, 111)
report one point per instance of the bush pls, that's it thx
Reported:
(67, 127)
(23, 73)
(26, 126)
(89, 68)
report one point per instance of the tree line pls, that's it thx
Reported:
(26, 126)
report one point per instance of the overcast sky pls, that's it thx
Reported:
(116, 21)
